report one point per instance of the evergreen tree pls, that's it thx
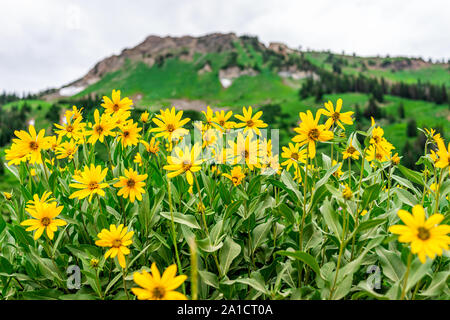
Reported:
(401, 111)
(411, 129)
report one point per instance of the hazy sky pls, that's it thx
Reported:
(48, 43)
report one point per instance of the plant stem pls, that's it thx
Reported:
(405, 280)
(125, 284)
(341, 249)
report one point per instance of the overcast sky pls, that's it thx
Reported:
(48, 43)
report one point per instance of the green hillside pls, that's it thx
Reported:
(392, 81)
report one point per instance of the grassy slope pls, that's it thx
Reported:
(178, 79)
(436, 73)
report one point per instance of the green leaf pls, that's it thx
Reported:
(228, 253)
(286, 212)
(186, 219)
(437, 285)
(331, 219)
(406, 197)
(370, 194)
(392, 265)
(369, 224)
(319, 195)
(304, 257)
(286, 178)
(418, 271)
(257, 284)
(6, 266)
(411, 175)
(259, 234)
(209, 278)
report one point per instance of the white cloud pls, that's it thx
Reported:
(48, 43)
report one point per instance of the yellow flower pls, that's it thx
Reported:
(221, 120)
(28, 146)
(395, 159)
(131, 185)
(118, 239)
(101, 128)
(66, 150)
(351, 152)
(347, 193)
(170, 124)
(294, 155)
(236, 175)
(44, 214)
(377, 135)
(184, 161)
(54, 142)
(94, 263)
(33, 172)
(209, 116)
(36, 200)
(374, 152)
(270, 165)
(338, 173)
(116, 104)
(297, 174)
(144, 117)
(89, 181)
(335, 115)
(75, 113)
(432, 136)
(249, 122)
(138, 159)
(311, 131)
(363, 213)
(152, 147)
(71, 129)
(434, 156)
(7, 195)
(120, 119)
(155, 287)
(444, 156)
(129, 136)
(425, 236)
(244, 149)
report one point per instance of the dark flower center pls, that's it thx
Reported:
(294, 155)
(423, 233)
(116, 107)
(45, 221)
(99, 129)
(33, 145)
(351, 150)
(159, 292)
(69, 128)
(126, 133)
(170, 127)
(131, 183)
(336, 116)
(250, 123)
(92, 185)
(186, 165)
(116, 243)
(313, 134)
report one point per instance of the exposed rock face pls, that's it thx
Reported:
(206, 68)
(154, 47)
(281, 48)
(226, 76)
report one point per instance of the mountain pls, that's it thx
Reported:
(177, 66)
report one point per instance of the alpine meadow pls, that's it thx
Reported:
(220, 168)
